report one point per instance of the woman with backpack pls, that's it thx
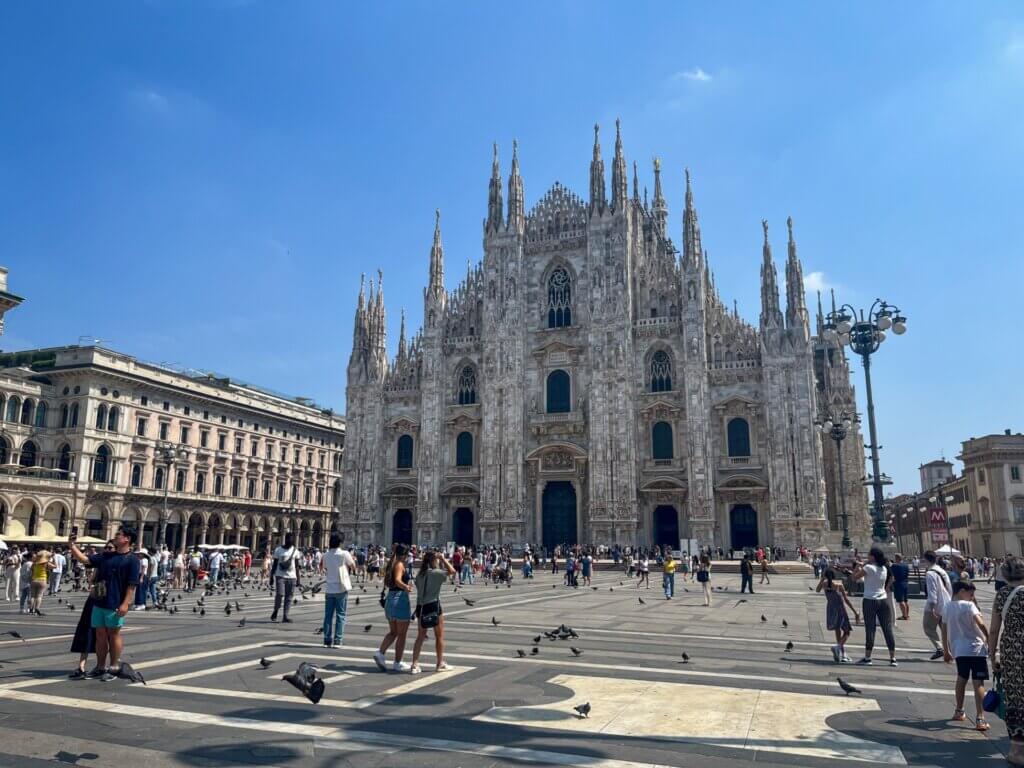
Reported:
(434, 570)
(396, 610)
(877, 577)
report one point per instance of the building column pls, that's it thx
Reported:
(202, 534)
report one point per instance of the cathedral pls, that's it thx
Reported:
(586, 383)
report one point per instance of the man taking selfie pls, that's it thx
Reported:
(117, 577)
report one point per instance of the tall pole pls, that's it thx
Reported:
(881, 529)
(162, 533)
(842, 497)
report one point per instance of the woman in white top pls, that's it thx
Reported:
(877, 577)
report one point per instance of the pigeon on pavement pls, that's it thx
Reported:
(368, 627)
(242, 622)
(846, 686)
(685, 657)
(128, 672)
(534, 651)
(521, 653)
(575, 651)
(494, 621)
(265, 662)
(785, 623)
(469, 602)
(764, 618)
(789, 646)
(583, 709)
(641, 601)
(14, 633)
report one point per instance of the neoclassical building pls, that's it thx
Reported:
(585, 382)
(92, 437)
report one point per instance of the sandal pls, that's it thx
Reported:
(959, 715)
(981, 724)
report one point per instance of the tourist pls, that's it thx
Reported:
(216, 561)
(836, 617)
(117, 577)
(764, 571)
(643, 573)
(668, 576)
(84, 640)
(901, 586)
(41, 567)
(336, 567)
(12, 573)
(195, 562)
(877, 577)
(434, 569)
(178, 580)
(284, 574)
(59, 563)
(1006, 637)
(938, 592)
(25, 579)
(587, 564)
(140, 592)
(965, 639)
(396, 610)
(746, 574)
(704, 578)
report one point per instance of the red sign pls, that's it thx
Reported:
(938, 515)
(939, 537)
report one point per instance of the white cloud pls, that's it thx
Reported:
(815, 281)
(696, 74)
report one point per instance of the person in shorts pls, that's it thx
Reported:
(901, 586)
(434, 570)
(965, 639)
(117, 577)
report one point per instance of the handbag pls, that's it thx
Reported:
(430, 614)
(702, 576)
(994, 701)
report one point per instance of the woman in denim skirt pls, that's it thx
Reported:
(397, 610)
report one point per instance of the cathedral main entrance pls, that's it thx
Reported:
(743, 526)
(401, 527)
(666, 527)
(559, 514)
(462, 527)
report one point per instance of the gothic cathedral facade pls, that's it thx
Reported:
(586, 383)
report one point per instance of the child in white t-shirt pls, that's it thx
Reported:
(965, 638)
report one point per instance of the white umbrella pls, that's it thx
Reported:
(3, 544)
(945, 549)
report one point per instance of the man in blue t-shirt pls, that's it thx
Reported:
(117, 577)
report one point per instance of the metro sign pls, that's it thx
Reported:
(938, 517)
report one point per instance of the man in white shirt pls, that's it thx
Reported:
(216, 559)
(59, 563)
(286, 576)
(336, 566)
(939, 594)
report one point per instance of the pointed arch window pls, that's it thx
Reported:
(74, 414)
(661, 372)
(404, 451)
(26, 412)
(64, 416)
(467, 386)
(113, 418)
(29, 454)
(739, 437)
(559, 299)
(101, 417)
(559, 392)
(661, 441)
(101, 465)
(65, 458)
(464, 450)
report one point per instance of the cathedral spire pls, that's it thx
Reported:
(796, 305)
(436, 286)
(820, 318)
(380, 323)
(660, 208)
(771, 315)
(359, 324)
(619, 189)
(691, 230)
(402, 344)
(597, 190)
(495, 214)
(636, 186)
(516, 207)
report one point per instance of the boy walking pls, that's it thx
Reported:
(965, 638)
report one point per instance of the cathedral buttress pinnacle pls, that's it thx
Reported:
(660, 207)
(619, 189)
(435, 288)
(796, 305)
(692, 251)
(516, 205)
(495, 213)
(771, 315)
(598, 202)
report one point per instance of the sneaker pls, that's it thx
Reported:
(107, 676)
(892, 663)
(442, 666)
(936, 656)
(286, 620)
(327, 643)
(381, 662)
(273, 617)
(78, 674)
(846, 660)
(865, 662)
(336, 644)
(835, 653)
(400, 666)
(415, 669)
(96, 673)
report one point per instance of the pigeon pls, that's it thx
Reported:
(741, 600)
(611, 589)
(202, 611)
(71, 607)
(368, 627)
(521, 653)
(764, 618)
(194, 609)
(583, 709)
(534, 651)
(295, 601)
(685, 657)
(128, 672)
(789, 646)
(494, 621)
(594, 588)
(536, 639)
(227, 609)
(575, 651)
(304, 596)
(641, 601)
(785, 623)
(15, 634)
(242, 622)
(318, 631)
(846, 686)
(265, 662)
(357, 599)
(469, 602)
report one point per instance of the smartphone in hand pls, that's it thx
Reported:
(74, 533)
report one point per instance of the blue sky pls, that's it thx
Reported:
(202, 183)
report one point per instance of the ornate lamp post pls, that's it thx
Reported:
(864, 333)
(837, 427)
(169, 455)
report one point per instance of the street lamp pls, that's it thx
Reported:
(169, 455)
(837, 427)
(864, 334)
